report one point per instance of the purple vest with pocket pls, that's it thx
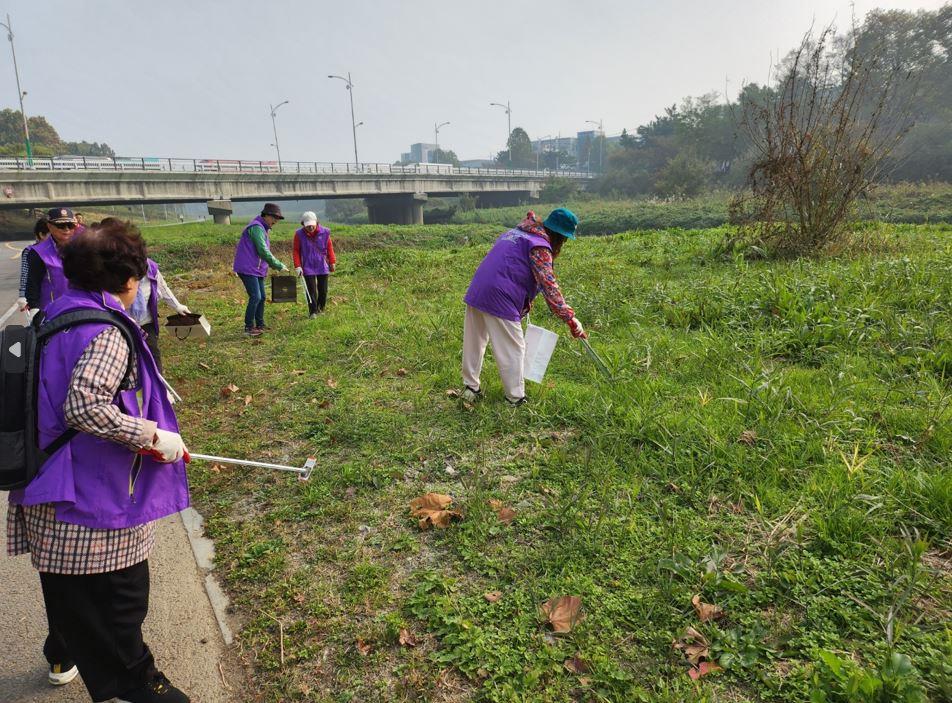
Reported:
(54, 283)
(92, 481)
(503, 284)
(313, 250)
(247, 260)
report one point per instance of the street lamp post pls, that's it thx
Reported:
(274, 126)
(436, 135)
(20, 93)
(508, 126)
(601, 147)
(353, 120)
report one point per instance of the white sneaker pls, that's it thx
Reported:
(58, 677)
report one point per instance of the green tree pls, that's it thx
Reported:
(439, 156)
(519, 153)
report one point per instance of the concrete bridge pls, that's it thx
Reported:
(393, 194)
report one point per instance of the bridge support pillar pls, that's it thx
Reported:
(220, 210)
(396, 210)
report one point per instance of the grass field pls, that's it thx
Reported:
(776, 441)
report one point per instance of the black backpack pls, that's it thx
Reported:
(20, 454)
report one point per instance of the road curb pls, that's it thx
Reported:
(203, 549)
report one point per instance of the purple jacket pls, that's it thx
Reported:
(503, 284)
(314, 251)
(92, 481)
(247, 260)
(54, 282)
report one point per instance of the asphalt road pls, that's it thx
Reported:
(181, 627)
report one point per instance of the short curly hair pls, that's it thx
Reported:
(105, 258)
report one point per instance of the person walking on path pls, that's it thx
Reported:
(145, 307)
(87, 518)
(45, 281)
(518, 266)
(41, 231)
(252, 258)
(314, 259)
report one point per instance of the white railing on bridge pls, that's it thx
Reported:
(170, 165)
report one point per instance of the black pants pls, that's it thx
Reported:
(152, 340)
(318, 297)
(96, 621)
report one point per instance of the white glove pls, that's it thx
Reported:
(182, 309)
(283, 268)
(21, 304)
(30, 314)
(298, 270)
(169, 445)
(576, 327)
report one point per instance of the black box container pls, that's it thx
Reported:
(284, 289)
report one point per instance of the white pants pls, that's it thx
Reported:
(509, 350)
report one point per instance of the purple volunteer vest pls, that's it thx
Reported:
(92, 481)
(314, 251)
(503, 284)
(54, 283)
(247, 260)
(152, 273)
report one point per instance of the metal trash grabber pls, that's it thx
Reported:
(307, 293)
(304, 472)
(597, 360)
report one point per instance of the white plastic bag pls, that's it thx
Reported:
(540, 343)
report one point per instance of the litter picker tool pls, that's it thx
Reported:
(303, 472)
(597, 360)
(307, 294)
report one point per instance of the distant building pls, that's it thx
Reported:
(420, 153)
(569, 145)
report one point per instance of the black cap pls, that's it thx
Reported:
(60, 214)
(273, 210)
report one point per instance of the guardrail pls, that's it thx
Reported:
(172, 165)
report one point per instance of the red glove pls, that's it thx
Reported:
(576, 328)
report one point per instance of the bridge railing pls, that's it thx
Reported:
(175, 165)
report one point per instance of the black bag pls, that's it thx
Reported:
(20, 454)
(284, 289)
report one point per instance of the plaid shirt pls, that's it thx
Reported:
(63, 548)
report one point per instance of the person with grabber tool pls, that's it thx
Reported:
(252, 258)
(517, 268)
(314, 259)
(96, 460)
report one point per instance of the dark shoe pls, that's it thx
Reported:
(62, 673)
(515, 403)
(158, 690)
(471, 394)
(252, 332)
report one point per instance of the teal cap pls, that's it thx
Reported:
(563, 221)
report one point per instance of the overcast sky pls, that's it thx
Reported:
(195, 78)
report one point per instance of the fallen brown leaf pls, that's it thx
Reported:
(562, 612)
(216, 468)
(748, 437)
(324, 404)
(406, 639)
(228, 390)
(431, 510)
(452, 393)
(331, 383)
(363, 647)
(492, 596)
(576, 665)
(703, 669)
(693, 645)
(299, 372)
(706, 611)
(401, 372)
(247, 400)
(495, 504)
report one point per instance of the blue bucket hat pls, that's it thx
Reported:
(563, 221)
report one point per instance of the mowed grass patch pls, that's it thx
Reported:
(776, 441)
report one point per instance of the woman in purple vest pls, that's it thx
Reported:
(87, 519)
(313, 254)
(252, 258)
(45, 281)
(518, 266)
(41, 231)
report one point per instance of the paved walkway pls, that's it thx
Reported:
(181, 627)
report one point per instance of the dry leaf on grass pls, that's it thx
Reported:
(299, 372)
(452, 393)
(331, 383)
(492, 596)
(247, 400)
(693, 645)
(576, 665)
(506, 515)
(703, 669)
(748, 437)
(431, 510)
(363, 647)
(401, 372)
(706, 611)
(562, 612)
(228, 390)
(216, 468)
(406, 639)
(324, 404)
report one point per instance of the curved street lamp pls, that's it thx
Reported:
(274, 126)
(20, 93)
(508, 126)
(436, 134)
(353, 120)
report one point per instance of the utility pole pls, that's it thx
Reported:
(508, 127)
(274, 126)
(436, 134)
(20, 94)
(353, 120)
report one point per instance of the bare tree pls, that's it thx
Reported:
(821, 141)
